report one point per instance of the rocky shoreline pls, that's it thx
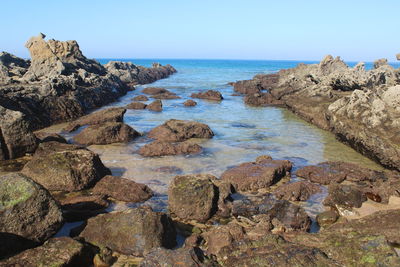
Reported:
(251, 215)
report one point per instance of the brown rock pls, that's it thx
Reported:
(107, 133)
(140, 98)
(167, 95)
(154, 90)
(247, 87)
(136, 105)
(344, 197)
(256, 175)
(155, 106)
(210, 95)
(297, 191)
(178, 130)
(189, 103)
(327, 218)
(161, 148)
(261, 99)
(223, 236)
(187, 257)
(123, 189)
(49, 137)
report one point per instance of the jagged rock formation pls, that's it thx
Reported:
(58, 84)
(361, 107)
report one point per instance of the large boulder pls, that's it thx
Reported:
(57, 252)
(262, 173)
(65, 167)
(193, 197)
(131, 232)
(107, 133)
(161, 148)
(209, 95)
(123, 189)
(179, 130)
(27, 209)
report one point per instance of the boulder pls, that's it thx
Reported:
(155, 106)
(344, 197)
(140, 98)
(161, 148)
(154, 91)
(123, 189)
(193, 197)
(106, 133)
(99, 117)
(327, 218)
(190, 103)
(297, 191)
(12, 67)
(209, 95)
(57, 252)
(248, 87)
(222, 236)
(188, 257)
(167, 95)
(65, 167)
(179, 130)
(262, 173)
(27, 209)
(131, 232)
(136, 105)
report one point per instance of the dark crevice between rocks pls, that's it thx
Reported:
(215, 200)
(4, 153)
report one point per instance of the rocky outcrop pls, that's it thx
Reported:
(156, 106)
(262, 173)
(140, 98)
(161, 148)
(154, 91)
(297, 191)
(136, 105)
(58, 84)
(27, 210)
(57, 252)
(131, 232)
(62, 167)
(107, 133)
(261, 99)
(209, 95)
(179, 130)
(123, 189)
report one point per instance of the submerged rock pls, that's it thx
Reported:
(210, 95)
(131, 232)
(327, 218)
(123, 189)
(190, 103)
(256, 175)
(154, 91)
(167, 95)
(161, 148)
(65, 167)
(106, 133)
(155, 106)
(178, 131)
(140, 98)
(27, 209)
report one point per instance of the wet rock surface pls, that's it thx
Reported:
(189, 103)
(131, 232)
(155, 106)
(140, 98)
(122, 189)
(136, 105)
(210, 95)
(261, 99)
(262, 173)
(161, 148)
(154, 90)
(64, 167)
(27, 209)
(297, 191)
(107, 133)
(179, 130)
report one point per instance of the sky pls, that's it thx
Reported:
(220, 29)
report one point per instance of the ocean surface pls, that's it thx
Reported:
(241, 132)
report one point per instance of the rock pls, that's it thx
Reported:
(190, 103)
(57, 252)
(123, 189)
(327, 218)
(154, 91)
(99, 117)
(222, 236)
(297, 191)
(193, 197)
(380, 62)
(27, 209)
(155, 106)
(81, 207)
(50, 137)
(161, 148)
(248, 87)
(188, 257)
(12, 67)
(167, 95)
(344, 197)
(283, 215)
(398, 56)
(140, 98)
(256, 175)
(106, 133)
(16, 137)
(178, 131)
(136, 105)
(272, 250)
(209, 95)
(66, 168)
(261, 99)
(336, 172)
(131, 232)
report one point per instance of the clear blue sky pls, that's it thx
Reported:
(252, 29)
